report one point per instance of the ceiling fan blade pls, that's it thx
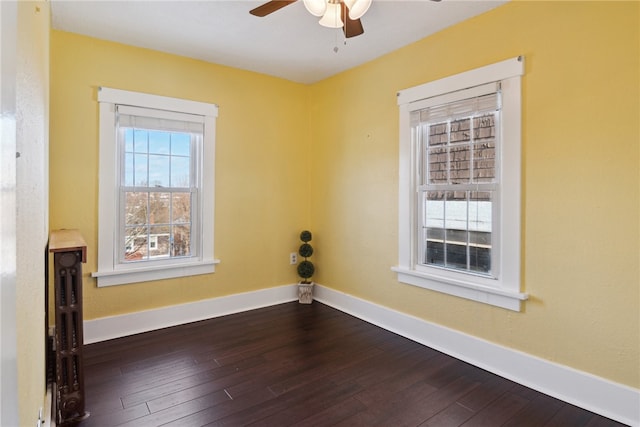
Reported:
(352, 27)
(270, 7)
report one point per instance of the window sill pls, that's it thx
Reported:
(146, 274)
(498, 297)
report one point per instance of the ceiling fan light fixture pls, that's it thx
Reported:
(331, 17)
(316, 7)
(357, 8)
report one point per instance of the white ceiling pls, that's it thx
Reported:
(289, 43)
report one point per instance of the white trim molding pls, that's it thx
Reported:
(106, 328)
(599, 395)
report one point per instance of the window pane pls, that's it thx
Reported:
(158, 170)
(434, 209)
(484, 127)
(480, 228)
(459, 151)
(181, 211)
(460, 131)
(160, 237)
(455, 213)
(434, 227)
(140, 170)
(438, 134)
(140, 141)
(480, 259)
(180, 171)
(128, 140)
(484, 148)
(459, 161)
(159, 208)
(484, 161)
(480, 214)
(159, 142)
(180, 144)
(135, 243)
(136, 205)
(437, 153)
(455, 210)
(128, 169)
(434, 254)
(438, 165)
(181, 240)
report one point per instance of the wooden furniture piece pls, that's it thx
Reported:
(69, 253)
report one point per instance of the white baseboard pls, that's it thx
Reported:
(612, 400)
(604, 397)
(106, 328)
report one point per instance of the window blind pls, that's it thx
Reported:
(467, 102)
(466, 107)
(147, 118)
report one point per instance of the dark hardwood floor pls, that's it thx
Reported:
(301, 365)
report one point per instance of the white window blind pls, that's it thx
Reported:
(462, 108)
(169, 121)
(459, 103)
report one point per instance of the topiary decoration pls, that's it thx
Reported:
(305, 236)
(306, 268)
(305, 250)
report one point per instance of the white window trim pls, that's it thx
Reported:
(505, 291)
(110, 272)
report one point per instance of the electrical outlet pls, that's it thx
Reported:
(293, 258)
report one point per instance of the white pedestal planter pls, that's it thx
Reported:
(305, 293)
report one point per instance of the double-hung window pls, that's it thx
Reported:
(156, 187)
(459, 210)
(457, 182)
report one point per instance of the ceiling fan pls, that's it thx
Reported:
(343, 14)
(333, 13)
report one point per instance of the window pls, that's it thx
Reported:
(156, 187)
(459, 224)
(456, 181)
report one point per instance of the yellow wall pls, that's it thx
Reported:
(581, 134)
(261, 165)
(580, 175)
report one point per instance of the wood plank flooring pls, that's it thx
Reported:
(301, 365)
